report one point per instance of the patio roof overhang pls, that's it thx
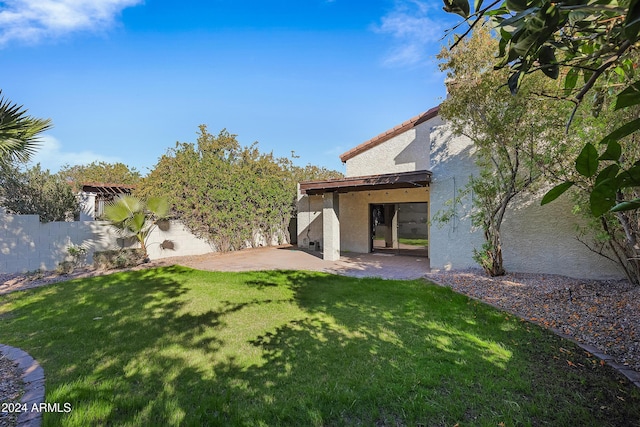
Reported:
(368, 183)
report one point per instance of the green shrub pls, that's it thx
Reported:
(228, 194)
(105, 260)
(77, 253)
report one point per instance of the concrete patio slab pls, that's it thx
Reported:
(386, 266)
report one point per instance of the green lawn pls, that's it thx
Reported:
(407, 241)
(414, 242)
(175, 346)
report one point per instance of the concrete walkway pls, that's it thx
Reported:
(291, 258)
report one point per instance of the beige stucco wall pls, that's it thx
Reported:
(406, 152)
(184, 242)
(331, 227)
(536, 239)
(451, 244)
(26, 244)
(354, 213)
(543, 239)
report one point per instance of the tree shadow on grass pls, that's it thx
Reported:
(130, 349)
(105, 337)
(408, 353)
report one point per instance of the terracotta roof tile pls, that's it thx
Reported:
(385, 136)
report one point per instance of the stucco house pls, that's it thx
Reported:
(396, 182)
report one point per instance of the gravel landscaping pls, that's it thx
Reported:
(11, 389)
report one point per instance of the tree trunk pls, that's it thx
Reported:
(490, 258)
(496, 267)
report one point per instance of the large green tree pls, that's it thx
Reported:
(19, 132)
(508, 133)
(99, 172)
(591, 47)
(35, 191)
(226, 193)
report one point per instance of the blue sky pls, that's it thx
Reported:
(124, 80)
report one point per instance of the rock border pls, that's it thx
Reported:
(33, 379)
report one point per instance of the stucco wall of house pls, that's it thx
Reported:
(543, 239)
(451, 243)
(535, 238)
(538, 239)
(354, 213)
(406, 152)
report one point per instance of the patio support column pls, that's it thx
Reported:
(330, 227)
(391, 226)
(394, 227)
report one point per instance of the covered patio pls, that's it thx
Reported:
(351, 202)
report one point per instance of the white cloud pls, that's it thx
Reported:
(51, 156)
(32, 20)
(413, 29)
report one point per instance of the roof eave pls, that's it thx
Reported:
(367, 183)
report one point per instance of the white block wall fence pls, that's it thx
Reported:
(26, 244)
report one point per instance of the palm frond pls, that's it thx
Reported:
(159, 206)
(117, 212)
(19, 133)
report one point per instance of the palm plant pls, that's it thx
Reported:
(19, 133)
(136, 217)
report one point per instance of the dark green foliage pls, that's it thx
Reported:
(101, 173)
(592, 47)
(556, 192)
(37, 192)
(587, 161)
(592, 40)
(460, 7)
(232, 196)
(604, 181)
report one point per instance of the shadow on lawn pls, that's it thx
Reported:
(60, 324)
(363, 352)
(370, 354)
